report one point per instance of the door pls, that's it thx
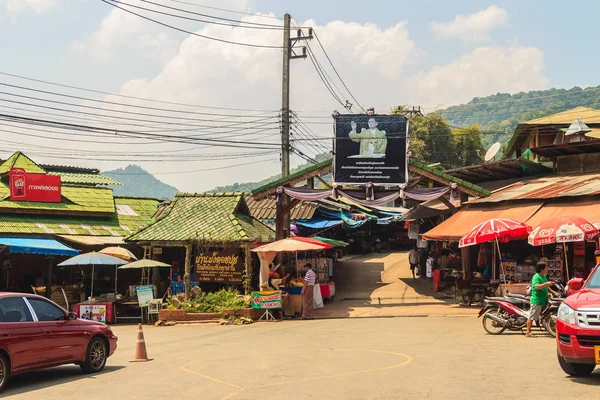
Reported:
(64, 339)
(20, 335)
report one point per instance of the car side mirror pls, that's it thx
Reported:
(575, 284)
(72, 316)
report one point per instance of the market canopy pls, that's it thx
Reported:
(331, 242)
(319, 223)
(49, 247)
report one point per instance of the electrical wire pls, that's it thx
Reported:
(224, 9)
(132, 97)
(190, 32)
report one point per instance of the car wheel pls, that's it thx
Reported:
(572, 369)
(95, 359)
(4, 370)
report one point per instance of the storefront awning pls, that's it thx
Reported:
(318, 223)
(586, 209)
(93, 240)
(460, 223)
(49, 247)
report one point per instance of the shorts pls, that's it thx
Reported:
(413, 266)
(535, 312)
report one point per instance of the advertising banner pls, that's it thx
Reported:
(267, 300)
(93, 313)
(371, 149)
(224, 266)
(145, 295)
(34, 187)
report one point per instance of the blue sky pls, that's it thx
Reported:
(432, 53)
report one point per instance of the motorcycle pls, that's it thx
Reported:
(512, 312)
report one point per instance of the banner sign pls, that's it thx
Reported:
(145, 295)
(267, 300)
(34, 187)
(223, 266)
(371, 149)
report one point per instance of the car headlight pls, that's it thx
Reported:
(567, 315)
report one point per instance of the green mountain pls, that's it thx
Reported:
(250, 186)
(499, 114)
(138, 182)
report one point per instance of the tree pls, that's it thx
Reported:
(469, 146)
(439, 141)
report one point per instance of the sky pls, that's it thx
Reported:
(221, 100)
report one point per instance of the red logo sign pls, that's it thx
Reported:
(34, 187)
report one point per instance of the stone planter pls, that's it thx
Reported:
(182, 316)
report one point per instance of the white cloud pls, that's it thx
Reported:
(37, 6)
(485, 71)
(474, 27)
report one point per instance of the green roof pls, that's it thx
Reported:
(448, 177)
(20, 160)
(116, 225)
(293, 176)
(79, 199)
(84, 179)
(213, 217)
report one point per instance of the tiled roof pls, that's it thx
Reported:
(79, 200)
(116, 225)
(218, 217)
(320, 168)
(20, 160)
(471, 188)
(267, 208)
(85, 179)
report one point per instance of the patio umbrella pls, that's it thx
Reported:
(93, 259)
(119, 252)
(497, 230)
(563, 230)
(145, 263)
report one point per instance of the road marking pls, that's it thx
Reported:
(239, 389)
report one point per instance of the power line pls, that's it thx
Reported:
(190, 32)
(336, 72)
(323, 79)
(133, 97)
(224, 9)
(239, 24)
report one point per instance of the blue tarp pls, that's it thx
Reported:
(318, 223)
(48, 247)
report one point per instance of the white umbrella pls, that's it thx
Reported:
(93, 259)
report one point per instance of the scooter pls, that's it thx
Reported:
(512, 312)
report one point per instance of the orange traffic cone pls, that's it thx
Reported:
(140, 347)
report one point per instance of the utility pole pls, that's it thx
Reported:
(282, 222)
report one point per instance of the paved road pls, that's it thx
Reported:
(358, 358)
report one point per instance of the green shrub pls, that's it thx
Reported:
(216, 302)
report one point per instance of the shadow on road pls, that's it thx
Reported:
(41, 379)
(592, 380)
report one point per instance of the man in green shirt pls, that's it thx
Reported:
(539, 294)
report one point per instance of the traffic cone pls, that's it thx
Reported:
(140, 347)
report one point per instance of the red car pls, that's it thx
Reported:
(36, 333)
(578, 326)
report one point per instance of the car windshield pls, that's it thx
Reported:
(593, 281)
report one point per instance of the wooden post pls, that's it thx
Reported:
(49, 280)
(310, 183)
(248, 266)
(188, 269)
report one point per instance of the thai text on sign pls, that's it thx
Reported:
(34, 187)
(223, 266)
(267, 300)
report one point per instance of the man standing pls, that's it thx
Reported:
(413, 259)
(373, 142)
(308, 292)
(539, 294)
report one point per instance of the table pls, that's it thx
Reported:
(96, 311)
(128, 306)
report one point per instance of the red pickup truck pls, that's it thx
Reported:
(578, 326)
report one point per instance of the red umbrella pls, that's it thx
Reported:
(562, 230)
(495, 229)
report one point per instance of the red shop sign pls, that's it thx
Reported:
(34, 187)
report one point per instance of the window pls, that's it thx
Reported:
(14, 309)
(593, 282)
(46, 311)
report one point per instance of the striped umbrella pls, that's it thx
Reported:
(495, 229)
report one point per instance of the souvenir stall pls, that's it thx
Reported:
(292, 301)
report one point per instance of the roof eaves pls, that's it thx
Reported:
(281, 180)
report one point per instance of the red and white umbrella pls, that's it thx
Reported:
(562, 230)
(499, 229)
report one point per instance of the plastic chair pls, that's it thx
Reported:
(154, 308)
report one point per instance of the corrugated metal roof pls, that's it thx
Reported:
(584, 114)
(266, 208)
(547, 188)
(588, 209)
